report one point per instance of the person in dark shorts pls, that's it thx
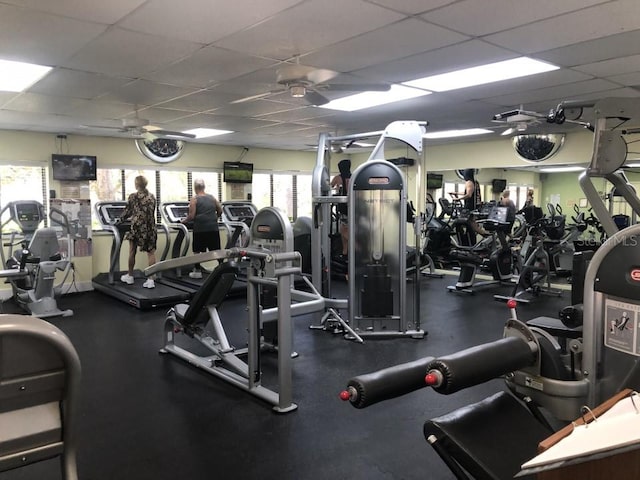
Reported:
(141, 211)
(204, 210)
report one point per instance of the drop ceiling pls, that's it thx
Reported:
(182, 64)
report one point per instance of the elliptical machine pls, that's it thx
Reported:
(31, 269)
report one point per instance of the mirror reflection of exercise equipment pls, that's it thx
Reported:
(35, 257)
(108, 283)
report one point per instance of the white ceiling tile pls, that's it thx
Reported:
(207, 66)
(202, 21)
(72, 83)
(225, 122)
(482, 17)
(622, 15)
(130, 54)
(411, 7)
(143, 92)
(41, 38)
(627, 79)
(613, 46)
(199, 101)
(34, 102)
(97, 109)
(463, 55)
(99, 12)
(399, 40)
(253, 108)
(616, 66)
(304, 28)
(570, 91)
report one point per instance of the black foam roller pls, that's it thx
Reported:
(389, 382)
(481, 363)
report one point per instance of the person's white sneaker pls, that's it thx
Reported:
(149, 283)
(195, 274)
(126, 278)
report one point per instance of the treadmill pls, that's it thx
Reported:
(109, 283)
(236, 221)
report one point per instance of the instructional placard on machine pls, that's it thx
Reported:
(621, 326)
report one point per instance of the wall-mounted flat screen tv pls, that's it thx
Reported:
(434, 181)
(498, 185)
(237, 172)
(73, 167)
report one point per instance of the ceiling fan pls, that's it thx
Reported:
(306, 82)
(140, 128)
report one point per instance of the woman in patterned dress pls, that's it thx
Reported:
(141, 212)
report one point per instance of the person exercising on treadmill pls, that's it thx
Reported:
(204, 211)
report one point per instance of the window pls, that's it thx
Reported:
(174, 186)
(303, 196)
(23, 183)
(211, 183)
(261, 190)
(283, 193)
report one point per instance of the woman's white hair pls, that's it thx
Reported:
(198, 184)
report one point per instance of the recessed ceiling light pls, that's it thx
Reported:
(456, 133)
(207, 132)
(18, 76)
(363, 100)
(492, 72)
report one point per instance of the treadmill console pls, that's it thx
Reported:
(110, 212)
(175, 212)
(239, 211)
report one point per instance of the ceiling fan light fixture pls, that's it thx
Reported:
(298, 91)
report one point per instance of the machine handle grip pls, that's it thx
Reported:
(479, 364)
(365, 390)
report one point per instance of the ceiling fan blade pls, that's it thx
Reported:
(314, 98)
(352, 87)
(105, 127)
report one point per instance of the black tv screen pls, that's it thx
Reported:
(73, 167)
(498, 185)
(434, 181)
(237, 172)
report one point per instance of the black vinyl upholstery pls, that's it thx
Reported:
(212, 293)
(490, 439)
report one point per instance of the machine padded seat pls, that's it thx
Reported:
(489, 439)
(212, 293)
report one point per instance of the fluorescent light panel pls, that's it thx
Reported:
(492, 72)
(363, 100)
(456, 133)
(18, 76)
(207, 132)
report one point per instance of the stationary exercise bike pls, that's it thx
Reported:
(492, 253)
(532, 264)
